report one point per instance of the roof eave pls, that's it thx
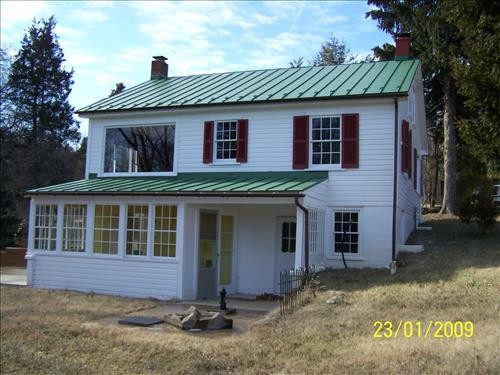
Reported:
(210, 105)
(250, 194)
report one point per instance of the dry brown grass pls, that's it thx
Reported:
(457, 278)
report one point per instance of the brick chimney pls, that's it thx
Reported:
(159, 67)
(403, 44)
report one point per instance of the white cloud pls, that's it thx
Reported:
(13, 12)
(89, 16)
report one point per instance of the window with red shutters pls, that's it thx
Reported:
(300, 142)
(242, 142)
(350, 140)
(208, 140)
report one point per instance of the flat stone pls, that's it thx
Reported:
(142, 321)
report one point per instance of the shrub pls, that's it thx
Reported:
(475, 200)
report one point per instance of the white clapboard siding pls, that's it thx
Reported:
(409, 201)
(124, 277)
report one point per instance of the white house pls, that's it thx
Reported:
(198, 182)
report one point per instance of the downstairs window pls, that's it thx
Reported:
(346, 232)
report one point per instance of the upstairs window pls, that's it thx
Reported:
(139, 149)
(225, 140)
(325, 139)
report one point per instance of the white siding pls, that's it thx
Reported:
(124, 277)
(269, 135)
(408, 201)
(375, 246)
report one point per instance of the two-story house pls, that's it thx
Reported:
(198, 182)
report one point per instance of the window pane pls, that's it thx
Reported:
(164, 237)
(45, 226)
(74, 227)
(139, 149)
(346, 222)
(106, 223)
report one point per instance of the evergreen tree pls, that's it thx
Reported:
(38, 132)
(120, 86)
(332, 52)
(436, 41)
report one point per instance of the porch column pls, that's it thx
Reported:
(299, 242)
(30, 256)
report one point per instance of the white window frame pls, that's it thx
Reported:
(347, 255)
(137, 231)
(317, 219)
(223, 160)
(311, 142)
(173, 172)
(48, 228)
(118, 243)
(74, 229)
(168, 232)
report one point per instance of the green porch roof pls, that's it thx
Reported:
(284, 184)
(383, 78)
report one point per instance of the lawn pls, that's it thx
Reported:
(455, 279)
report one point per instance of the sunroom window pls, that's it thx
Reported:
(106, 227)
(45, 226)
(165, 231)
(74, 227)
(139, 149)
(137, 230)
(325, 139)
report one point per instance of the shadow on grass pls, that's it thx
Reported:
(451, 246)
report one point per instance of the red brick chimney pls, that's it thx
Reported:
(159, 67)
(403, 44)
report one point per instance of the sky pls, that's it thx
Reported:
(107, 42)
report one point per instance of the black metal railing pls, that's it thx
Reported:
(295, 284)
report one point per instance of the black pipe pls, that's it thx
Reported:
(306, 236)
(395, 182)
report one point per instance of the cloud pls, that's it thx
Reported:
(89, 16)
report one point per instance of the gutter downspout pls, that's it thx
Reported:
(395, 182)
(306, 235)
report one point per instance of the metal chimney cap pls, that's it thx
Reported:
(160, 58)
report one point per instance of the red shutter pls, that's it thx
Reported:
(405, 135)
(300, 142)
(208, 140)
(408, 158)
(242, 142)
(415, 174)
(350, 140)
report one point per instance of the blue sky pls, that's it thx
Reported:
(106, 42)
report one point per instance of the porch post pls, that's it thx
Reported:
(300, 237)
(179, 248)
(30, 256)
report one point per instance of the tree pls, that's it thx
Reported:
(38, 132)
(475, 201)
(477, 74)
(120, 86)
(436, 42)
(332, 52)
(297, 63)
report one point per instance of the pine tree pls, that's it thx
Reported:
(436, 41)
(333, 52)
(37, 129)
(38, 88)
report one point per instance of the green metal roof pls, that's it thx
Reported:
(263, 86)
(193, 184)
